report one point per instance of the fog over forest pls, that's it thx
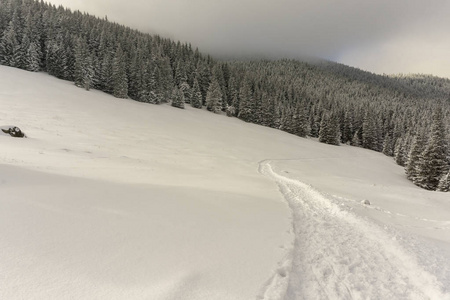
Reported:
(405, 36)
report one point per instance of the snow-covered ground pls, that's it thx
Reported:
(114, 199)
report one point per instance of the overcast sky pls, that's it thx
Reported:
(381, 36)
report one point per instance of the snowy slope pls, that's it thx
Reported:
(114, 199)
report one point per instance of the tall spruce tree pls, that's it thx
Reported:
(177, 98)
(245, 102)
(196, 100)
(9, 46)
(444, 183)
(83, 72)
(329, 129)
(417, 148)
(214, 97)
(119, 75)
(433, 161)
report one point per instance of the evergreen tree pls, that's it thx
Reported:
(444, 183)
(153, 86)
(83, 71)
(414, 155)
(56, 57)
(388, 145)
(433, 161)
(119, 75)
(106, 75)
(329, 130)
(186, 90)
(177, 98)
(347, 135)
(214, 97)
(231, 111)
(9, 46)
(356, 140)
(33, 58)
(196, 100)
(245, 102)
(300, 122)
(400, 152)
(369, 137)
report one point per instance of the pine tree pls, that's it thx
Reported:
(56, 57)
(347, 135)
(400, 152)
(433, 161)
(299, 120)
(177, 98)
(214, 97)
(106, 75)
(369, 140)
(186, 90)
(329, 130)
(444, 183)
(414, 155)
(196, 100)
(120, 89)
(245, 102)
(388, 145)
(33, 58)
(83, 71)
(154, 91)
(9, 46)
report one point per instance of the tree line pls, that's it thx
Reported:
(404, 116)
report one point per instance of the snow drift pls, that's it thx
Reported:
(111, 199)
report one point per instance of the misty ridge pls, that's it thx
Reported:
(405, 116)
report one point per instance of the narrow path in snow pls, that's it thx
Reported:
(338, 255)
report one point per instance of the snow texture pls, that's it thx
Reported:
(338, 255)
(114, 199)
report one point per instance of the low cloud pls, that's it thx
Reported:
(367, 34)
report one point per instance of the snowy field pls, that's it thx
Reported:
(114, 199)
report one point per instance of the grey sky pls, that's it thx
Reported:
(382, 36)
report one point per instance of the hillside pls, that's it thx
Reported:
(335, 103)
(110, 198)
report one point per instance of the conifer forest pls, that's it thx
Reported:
(406, 117)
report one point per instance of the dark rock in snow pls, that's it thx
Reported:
(365, 202)
(13, 131)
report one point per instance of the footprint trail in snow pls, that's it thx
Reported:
(338, 255)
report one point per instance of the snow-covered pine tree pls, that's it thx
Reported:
(231, 111)
(214, 97)
(106, 75)
(399, 152)
(119, 75)
(186, 90)
(177, 98)
(56, 56)
(153, 86)
(196, 100)
(388, 145)
(83, 69)
(356, 140)
(444, 183)
(329, 129)
(433, 161)
(300, 121)
(9, 45)
(346, 134)
(33, 58)
(369, 137)
(417, 148)
(245, 102)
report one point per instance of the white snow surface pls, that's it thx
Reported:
(115, 199)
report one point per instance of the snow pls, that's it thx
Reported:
(114, 199)
(339, 255)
